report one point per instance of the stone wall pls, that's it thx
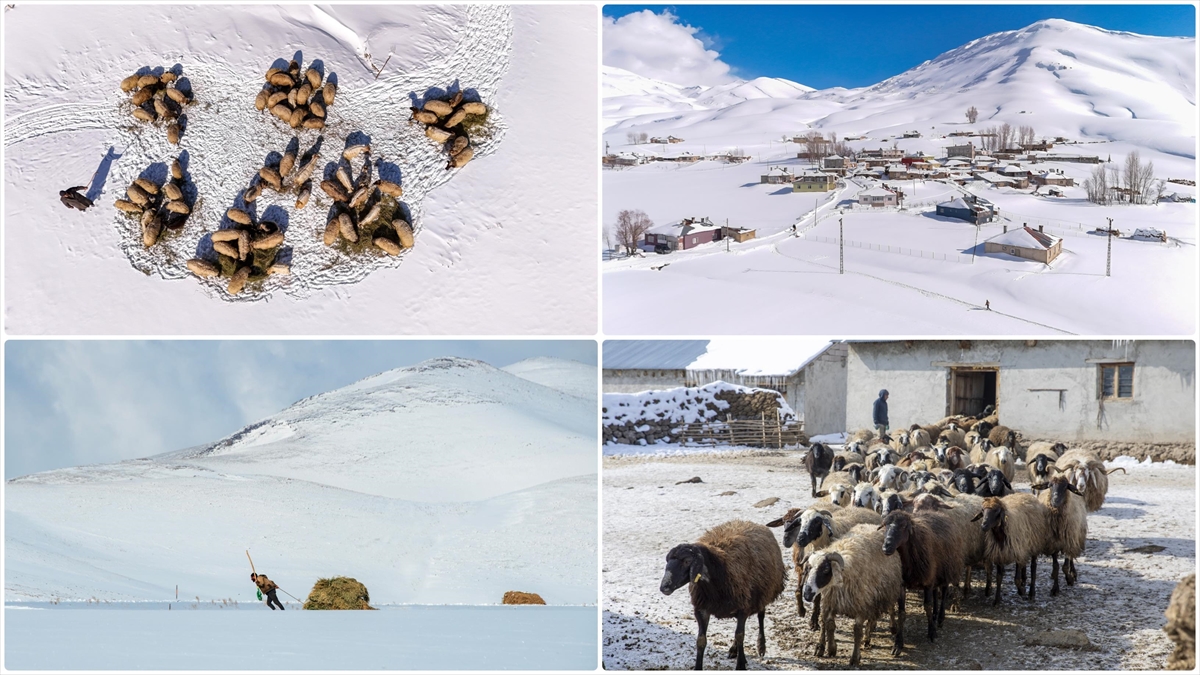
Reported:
(656, 416)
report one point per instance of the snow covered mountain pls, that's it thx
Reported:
(628, 94)
(448, 482)
(565, 375)
(1060, 77)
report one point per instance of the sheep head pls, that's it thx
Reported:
(993, 516)
(1059, 486)
(964, 481)
(824, 570)
(839, 463)
(898, 526)
(841, 495)
(893, 502)
(928, 502)
(807, 528)
(866, 496)
(685, 564)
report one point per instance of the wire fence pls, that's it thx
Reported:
(899, 250)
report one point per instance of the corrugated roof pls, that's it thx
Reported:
(748, 356)
(652, 354)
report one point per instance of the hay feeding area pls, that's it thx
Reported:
(338, 593)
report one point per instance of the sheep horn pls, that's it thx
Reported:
(836, 557)
(1119, 468)
(775, 523)
(1039, 486)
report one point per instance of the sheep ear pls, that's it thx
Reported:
(828, 527)
(822, 493)
(1072, 488)
(977, 516)
(699, 570)
(1039, 486)
(775, 523)
(1007, 484)
(881, 526)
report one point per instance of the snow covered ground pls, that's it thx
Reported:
(481, 232)
(911, 271)
(449, 482)
(406, 638)
(1118, 602)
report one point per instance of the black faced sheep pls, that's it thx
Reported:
(818, 461)
(931, 560)
(732, 571)
(960, 509)
(1068, 526)
(1017, 528)
(1040, 462)
(993, 484)
(812, 530)
(856, 580)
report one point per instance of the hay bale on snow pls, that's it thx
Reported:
(519, 598)
(338, 593)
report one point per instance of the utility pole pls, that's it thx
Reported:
(1108, 264)
(976, 246)
(841, 249)
(727, 237)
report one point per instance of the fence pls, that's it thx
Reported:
(761, 433)
(883, 248)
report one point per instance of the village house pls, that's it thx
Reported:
(969, 208)
(835, 164)
(623, 159)
(1018, 174)
(738, 234)
(809, 373)
(897, 172)
(814, 181)
(1116, 391)
(966, 150)
(1051, 177)
(668, 139)
(659, 241)
(1025, 242)
(893, 154)
(776, 176)
(994, 179)
(911, 134)
(877, 197)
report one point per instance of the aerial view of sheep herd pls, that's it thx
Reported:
(1014, 551)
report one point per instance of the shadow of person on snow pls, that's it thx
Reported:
(101, 175)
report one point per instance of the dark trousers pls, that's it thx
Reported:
(271, 598)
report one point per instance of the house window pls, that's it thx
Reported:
(1116, 380)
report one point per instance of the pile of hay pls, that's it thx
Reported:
(338, 593)
(1181, 625)
(519, 598)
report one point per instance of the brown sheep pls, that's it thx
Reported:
(1068, 526)
(732, 571)
(931, 560)
(1017, 529)
(1181, 625)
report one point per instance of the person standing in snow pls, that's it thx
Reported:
(268, 588)
(879, 413)
(72, 199)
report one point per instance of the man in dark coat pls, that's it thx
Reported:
(268, 588)
(72, 199)
(879, 413)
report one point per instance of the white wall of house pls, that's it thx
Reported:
(1046, 388)
(825, 378)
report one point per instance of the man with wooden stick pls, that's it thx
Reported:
(265, 585)
(268, 588)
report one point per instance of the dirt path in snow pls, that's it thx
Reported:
(1118, 602)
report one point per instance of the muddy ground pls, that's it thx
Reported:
(1139, 545)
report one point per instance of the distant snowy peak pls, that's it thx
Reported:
(1055, 56)
(565, 375)
(620, 83)
(725, 95)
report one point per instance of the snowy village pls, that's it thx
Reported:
(778, 475)
(1027, 182)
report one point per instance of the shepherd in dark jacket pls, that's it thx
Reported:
(72, 199)
(879, 413)
(268, 588)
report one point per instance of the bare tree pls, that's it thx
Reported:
(987, 139)
(1025, 135)
(631, 138)
(632, 227)
(816, 146)
(972, 115)
(643, 137)
(1096, 186)
(1004, 136)
(1138, 179)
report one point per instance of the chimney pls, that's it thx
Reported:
(1040, 229)
(1005, 228)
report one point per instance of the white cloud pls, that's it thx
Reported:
(658, 46)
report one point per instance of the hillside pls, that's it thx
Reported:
(400, 480)
(565, 375)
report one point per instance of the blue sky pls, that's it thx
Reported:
(76, 402)
(847, 45)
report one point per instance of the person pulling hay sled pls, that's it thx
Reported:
(72, 199)
(268, 587)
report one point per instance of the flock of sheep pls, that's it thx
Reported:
(245, 249)
(917, 511)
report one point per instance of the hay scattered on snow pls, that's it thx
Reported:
(338, 593)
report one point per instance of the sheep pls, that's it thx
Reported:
(734, 571)
(1054, 450)
(880, 456)
(953, 435)
(1067, 526)
(900, 443)
(1002, 435)
(812, 530)
(993, 484)
(862, 436)
(1088, 475)
(960, 509)
(955, 458)
(856, 580)
(1040, 466)
(1181, 625)
(841, 495)
(818, 461)
(980, 450)
(866, 496)
(931, 559)
(1002, 458)
(919, 438)
(403, 232)
(842, 458)
(1016, 527)
(892, 501)
(891, 477)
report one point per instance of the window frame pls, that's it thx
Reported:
(1115, 367)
